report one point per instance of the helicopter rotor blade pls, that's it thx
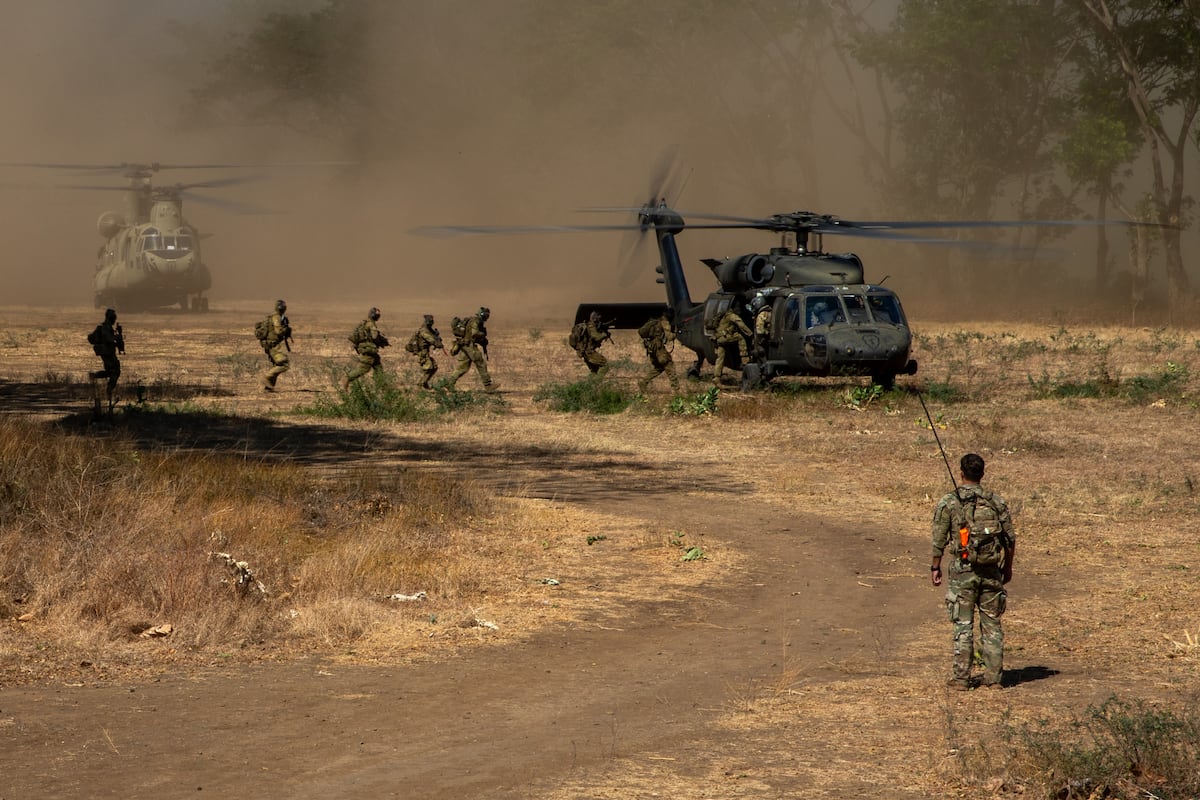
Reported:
(225, 203)
(665, 183)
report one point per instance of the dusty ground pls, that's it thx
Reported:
(807, 659)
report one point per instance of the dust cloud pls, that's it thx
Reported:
(478, 113)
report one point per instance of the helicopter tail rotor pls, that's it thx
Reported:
(666, 183)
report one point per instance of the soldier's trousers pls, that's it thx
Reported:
(723, 349)
(112, 371)
(967, 592)
(428, 368)
(469, 355)
(658, 366)
(596, 362)
(278, 356)
(366, 363)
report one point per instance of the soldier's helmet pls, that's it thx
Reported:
(429, 319)
(757, 303)
(280, 306)
(373, 313)
(594, 316)
(484, 312)
(110, 315)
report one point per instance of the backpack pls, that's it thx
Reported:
(578, 337)
(262, 329)
(413, 345)
(95, 337)
(986, 541)
(458, 327)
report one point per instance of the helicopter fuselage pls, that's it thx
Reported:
(151, 264)
(825, 320)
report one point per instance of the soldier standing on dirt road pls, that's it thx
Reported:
(977, 525)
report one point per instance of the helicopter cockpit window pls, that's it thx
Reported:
(856, 307)
(822, 310)
(885, 308)
(151, 240)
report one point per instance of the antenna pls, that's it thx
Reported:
(938, 439)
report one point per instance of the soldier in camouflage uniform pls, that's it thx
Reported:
(657, 335)
(974, 585)
(731, 330)
(277, 346)
(472, 349)
(427, 339)
(107, 340)
(367, 341)
(762, 326)
(595, 335)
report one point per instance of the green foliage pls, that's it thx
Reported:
(1120, 749)
(593, 395)
(944, 392)
(600, 537)
(859, 397)
(694, 554)
(1138, 389)
(696, 405)
(381, 397)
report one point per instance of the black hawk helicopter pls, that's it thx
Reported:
(826, 319)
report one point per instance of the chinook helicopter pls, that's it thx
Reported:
(826, 319)
(151, 255)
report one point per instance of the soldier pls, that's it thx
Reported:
(422, 343)
(731, 330)
(275, 333)
(107, 340)
(588, 337)
(762, 326)
(471, 345)
(977, 525)
(657, 335)
(367, 340)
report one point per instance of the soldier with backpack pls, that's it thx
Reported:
(471, 343)
(367, 340)
(977, 527)
(421, 344)
(107, 339)
(274, 333)
(586, 339)
(730, 331)
(656, 335)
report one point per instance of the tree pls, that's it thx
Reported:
(1155, 47)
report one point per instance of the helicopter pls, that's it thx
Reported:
(151, 254)
(826, 319)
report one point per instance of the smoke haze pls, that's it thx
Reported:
(481, 113)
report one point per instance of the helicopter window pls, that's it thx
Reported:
(791, 314)
(822, 310)
(151, 240)
(885, 308)
(183, 242)
(856, 307)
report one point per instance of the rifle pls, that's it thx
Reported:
(287, 333)
(120, 340)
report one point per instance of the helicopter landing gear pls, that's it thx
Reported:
(752, 376)
(198, 304)
(887, 380)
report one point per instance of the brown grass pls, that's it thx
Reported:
(1104, 487)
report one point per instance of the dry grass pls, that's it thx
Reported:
(1105, 488)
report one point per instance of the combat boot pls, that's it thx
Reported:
(344, 383)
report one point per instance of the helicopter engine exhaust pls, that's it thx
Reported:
(749, 271)
(110, 224)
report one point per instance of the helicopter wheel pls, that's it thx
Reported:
(886, 380)
(751, 377)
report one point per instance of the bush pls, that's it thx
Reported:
(381, 397)
(594, 395)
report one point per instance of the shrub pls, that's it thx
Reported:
(594, 395)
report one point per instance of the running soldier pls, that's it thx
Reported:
(275, 334)
(471, 343)
(731, 330)
(367, 341)
(422, 344)
(107, 340)
(587, 338)
(657, 336)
